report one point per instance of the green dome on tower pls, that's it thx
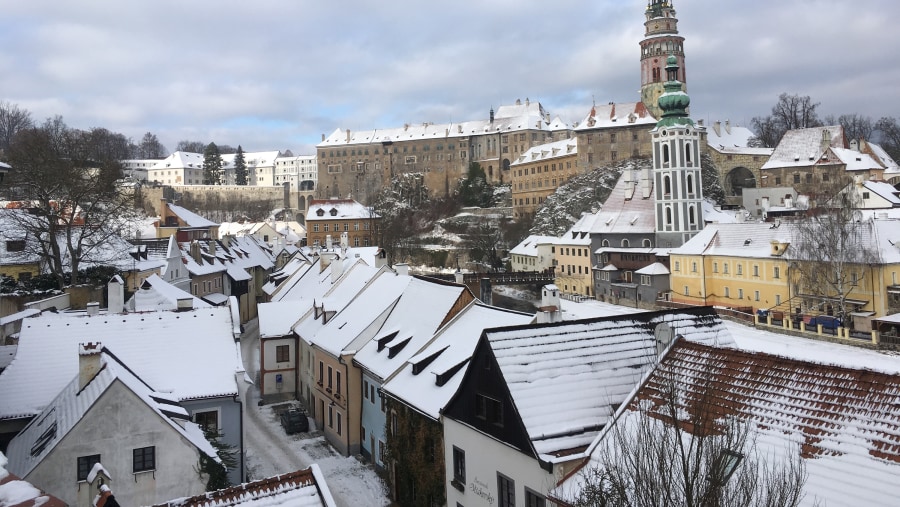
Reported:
(674, 101)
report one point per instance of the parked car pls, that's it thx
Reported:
(827, 322)
(294, 421)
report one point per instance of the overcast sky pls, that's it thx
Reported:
(276, 75)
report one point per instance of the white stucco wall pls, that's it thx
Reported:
(118, 423)
(484, 458)
(287, 369)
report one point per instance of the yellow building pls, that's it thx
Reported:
(572, 261)
(18, 250)
(750, 266)
(537, 172)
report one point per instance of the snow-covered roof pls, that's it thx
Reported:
(14, 492)
(626, 210)
(855, 161)
(804, 147)
(189, 217)
(884, 190)
(358, 322)
(338, 209)
(527, 116)
(549, 151)
(528, 246)
(158, 294)
(616, 115)
(430, 378)
(879, 153)
(657, 268)
(714, 214)
(303, 488)
(585, 369)
(843, 422)
(215, 298)
(72, 403)
(733, 139)
(422, 309)
(754, 239)
(162, 347)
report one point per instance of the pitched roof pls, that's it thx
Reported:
(528, 246)
(158, 294)
(844, 422)
(72, 403)
(626, 210)
(338, 209)
(585, 369)
(616, 115)
(303, 488)
(549, 151)
(421, 310)
(189, 217)
(854, 160)
(352, 327)
(162, 347)
(804, 147)
(430, 378)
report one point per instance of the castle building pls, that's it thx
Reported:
(661, 40)
(676, 165)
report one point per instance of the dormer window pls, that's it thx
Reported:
(333, 212)
(320, 212)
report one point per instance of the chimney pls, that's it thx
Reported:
(854, 145)
(89, 362)
(459, 277)
(325, 259)
(328, 242)
(380, 259)
(323, 138)
(348, 135)
(185, 304)
(486, 297)
(116, 295)
(195, 252)
(765, 203)
(93, 308)
(345, 241)
(788, 201)
(337, 269)
(211, 245)
(728, 126)
(647, 183)
(717, 127)
(402, 269)
(492, 115)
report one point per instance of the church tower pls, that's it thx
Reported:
(676, 165)
(661, 39)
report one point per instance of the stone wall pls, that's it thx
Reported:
(226, 198)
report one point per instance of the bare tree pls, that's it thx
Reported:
(789, 113)
(889, 135)
(191, 146)
(855, 126)
(13, 120)
(66, 179)
(831, 249)
(150, 147)
(678, 449)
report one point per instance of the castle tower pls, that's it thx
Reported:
(661, 39)
(676, 165)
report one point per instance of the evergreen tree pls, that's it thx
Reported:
(240, 167)
(474, 190)
(212, 165)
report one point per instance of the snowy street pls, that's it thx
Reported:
(269, 451)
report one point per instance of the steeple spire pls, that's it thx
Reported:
(674, 101)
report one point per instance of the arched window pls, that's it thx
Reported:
(665, 153)
(668, 215)
(647, 243)
(690, 183)
(667, 185)
(692, 218)
(687, 153)
(625, 243)
(605, 243)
